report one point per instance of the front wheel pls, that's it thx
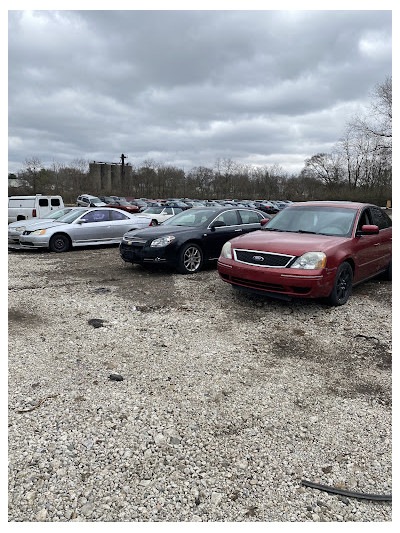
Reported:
(154, 222)
(342, 286)
(190, 259)
(59, 243)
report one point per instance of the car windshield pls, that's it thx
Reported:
(95, 200)
(153, 210)
(54, 215)
(321, 220)
(122, 202)
(192, 217)
(72, 215)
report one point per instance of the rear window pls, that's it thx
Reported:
(55, 202)
(43, 202)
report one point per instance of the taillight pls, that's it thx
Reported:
(33, 212)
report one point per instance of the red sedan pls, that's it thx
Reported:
(124, 205)
(311, 250)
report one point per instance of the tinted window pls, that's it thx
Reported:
(43, 202)
(380, 218)
(229, 217)
(249, 217)
(55, 201)
(117, 215)
(168, 211)
(98, 215)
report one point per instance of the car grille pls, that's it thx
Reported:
(263, 259)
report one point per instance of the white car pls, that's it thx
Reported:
(87, 200)
(159, 214)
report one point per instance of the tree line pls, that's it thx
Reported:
(358, 168)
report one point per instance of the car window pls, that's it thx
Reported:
(365, 219)
(380, 218)
(249, 217)
(55, 201)
(229, 217)
(168, 211)
(98, 215)
(43, 202)
(117, 215)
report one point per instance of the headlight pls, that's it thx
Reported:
(227, 250)
(310, 261)
(162, 241)
(39, 232)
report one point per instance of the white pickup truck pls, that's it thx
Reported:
(25, 207)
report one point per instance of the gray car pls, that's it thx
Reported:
(81, 227)
(15, 229)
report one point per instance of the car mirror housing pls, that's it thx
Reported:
(217, 224)
(369, 229)
(264, 221)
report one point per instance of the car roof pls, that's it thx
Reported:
(333, 203)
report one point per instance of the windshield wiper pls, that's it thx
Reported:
(305, 231)
(273, 229)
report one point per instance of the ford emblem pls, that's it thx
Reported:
(258, 258)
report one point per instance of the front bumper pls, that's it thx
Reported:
(287, 282)
(33, 241)
(140, 254)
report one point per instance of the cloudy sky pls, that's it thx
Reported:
(189, 87)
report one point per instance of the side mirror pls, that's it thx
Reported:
(217, 224)
(368, 229)
(264, 221)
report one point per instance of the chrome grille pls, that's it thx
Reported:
(263, 259)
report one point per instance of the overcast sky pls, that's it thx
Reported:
(188, 87)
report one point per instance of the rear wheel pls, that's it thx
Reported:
(154, 222)
(342, 286)
(190, 259)
(59, 243)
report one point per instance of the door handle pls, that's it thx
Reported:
(238, 230)
(377, 244)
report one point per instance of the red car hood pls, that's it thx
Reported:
(286, 242)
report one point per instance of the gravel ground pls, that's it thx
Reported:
(227, 400)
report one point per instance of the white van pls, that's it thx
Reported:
(25, 207)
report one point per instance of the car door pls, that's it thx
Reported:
(92, 226)
(384, 223)
(250, 219)
(367, 253)
(165, 214)
(119, 224)
(217, 236)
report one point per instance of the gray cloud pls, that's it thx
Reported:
(188, 87)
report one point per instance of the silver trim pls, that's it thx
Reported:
(290, 257)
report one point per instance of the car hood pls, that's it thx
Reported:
(155, 232)
(286, 242)
(45, 224)
(35, 223)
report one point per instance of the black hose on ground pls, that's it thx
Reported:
(349, 494)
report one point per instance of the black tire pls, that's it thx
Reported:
(59, 243)
(154, 222)
(342, 286)
(388, 272)
(190, 259)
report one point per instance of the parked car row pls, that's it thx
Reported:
(308, 249)
(129, 203)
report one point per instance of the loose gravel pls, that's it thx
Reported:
(149, 396)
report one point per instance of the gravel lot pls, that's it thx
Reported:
(227, 400)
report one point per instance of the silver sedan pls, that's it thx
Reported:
(81, 227)
(15, 229)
